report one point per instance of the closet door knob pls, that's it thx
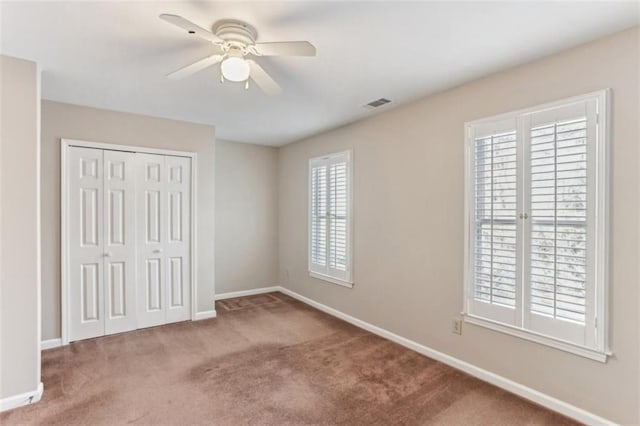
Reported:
(157, 251)
(107, 254)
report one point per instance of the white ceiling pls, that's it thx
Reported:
(115, 54)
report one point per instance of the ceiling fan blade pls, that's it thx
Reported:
(262, 79)
(195, 67)
(285, 48)
(190, 27)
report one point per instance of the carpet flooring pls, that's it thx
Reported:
(266, 360)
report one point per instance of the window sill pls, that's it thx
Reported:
(538, 338)
(338, 281)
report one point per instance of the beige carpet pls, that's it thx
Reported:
(266, 360)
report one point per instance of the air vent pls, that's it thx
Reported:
(377, 103)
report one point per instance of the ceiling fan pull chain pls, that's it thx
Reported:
(234, 40)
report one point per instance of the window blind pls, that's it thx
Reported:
(495, 216)
(559, 219)
(536, 238)
(338, 216)
(319, 215)
(329, 222)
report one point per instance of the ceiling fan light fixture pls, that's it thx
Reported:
(235, 69)
(233, 40)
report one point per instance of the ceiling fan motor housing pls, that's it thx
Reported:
(235, 32)
(234, 40)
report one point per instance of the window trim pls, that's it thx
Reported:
(330, 279)
(348, 282)
(602, 191)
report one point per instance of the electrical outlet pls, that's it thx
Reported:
(457, 326)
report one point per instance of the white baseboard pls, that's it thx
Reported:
(21, 399)
(251, 292)
(205, 315)
(502, 382)
(50, 344)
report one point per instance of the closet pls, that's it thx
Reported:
(127, 217)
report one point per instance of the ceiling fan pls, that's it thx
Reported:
(235, 43)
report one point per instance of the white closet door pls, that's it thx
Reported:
(178, 242)
(151, 233)
(85, 245)
(119, 241)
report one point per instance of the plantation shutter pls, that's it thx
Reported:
(329, 222)
(338, 216)
(561, 221)
(495, 184)
(496, 218)
(536, 213)
(319, 217)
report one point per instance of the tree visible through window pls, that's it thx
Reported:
(536, 214)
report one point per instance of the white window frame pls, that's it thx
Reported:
(342, 278)
(599, 245)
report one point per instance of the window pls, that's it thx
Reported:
(330, 218)
(536, 224)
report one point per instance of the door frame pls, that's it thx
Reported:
(64, 246)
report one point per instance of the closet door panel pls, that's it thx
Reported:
(178, 244)
(151, 235)
(119, 241)
(85, 242)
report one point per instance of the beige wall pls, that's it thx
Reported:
(246, 216)
(408, 266)
(19, 189)
(75, 122)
